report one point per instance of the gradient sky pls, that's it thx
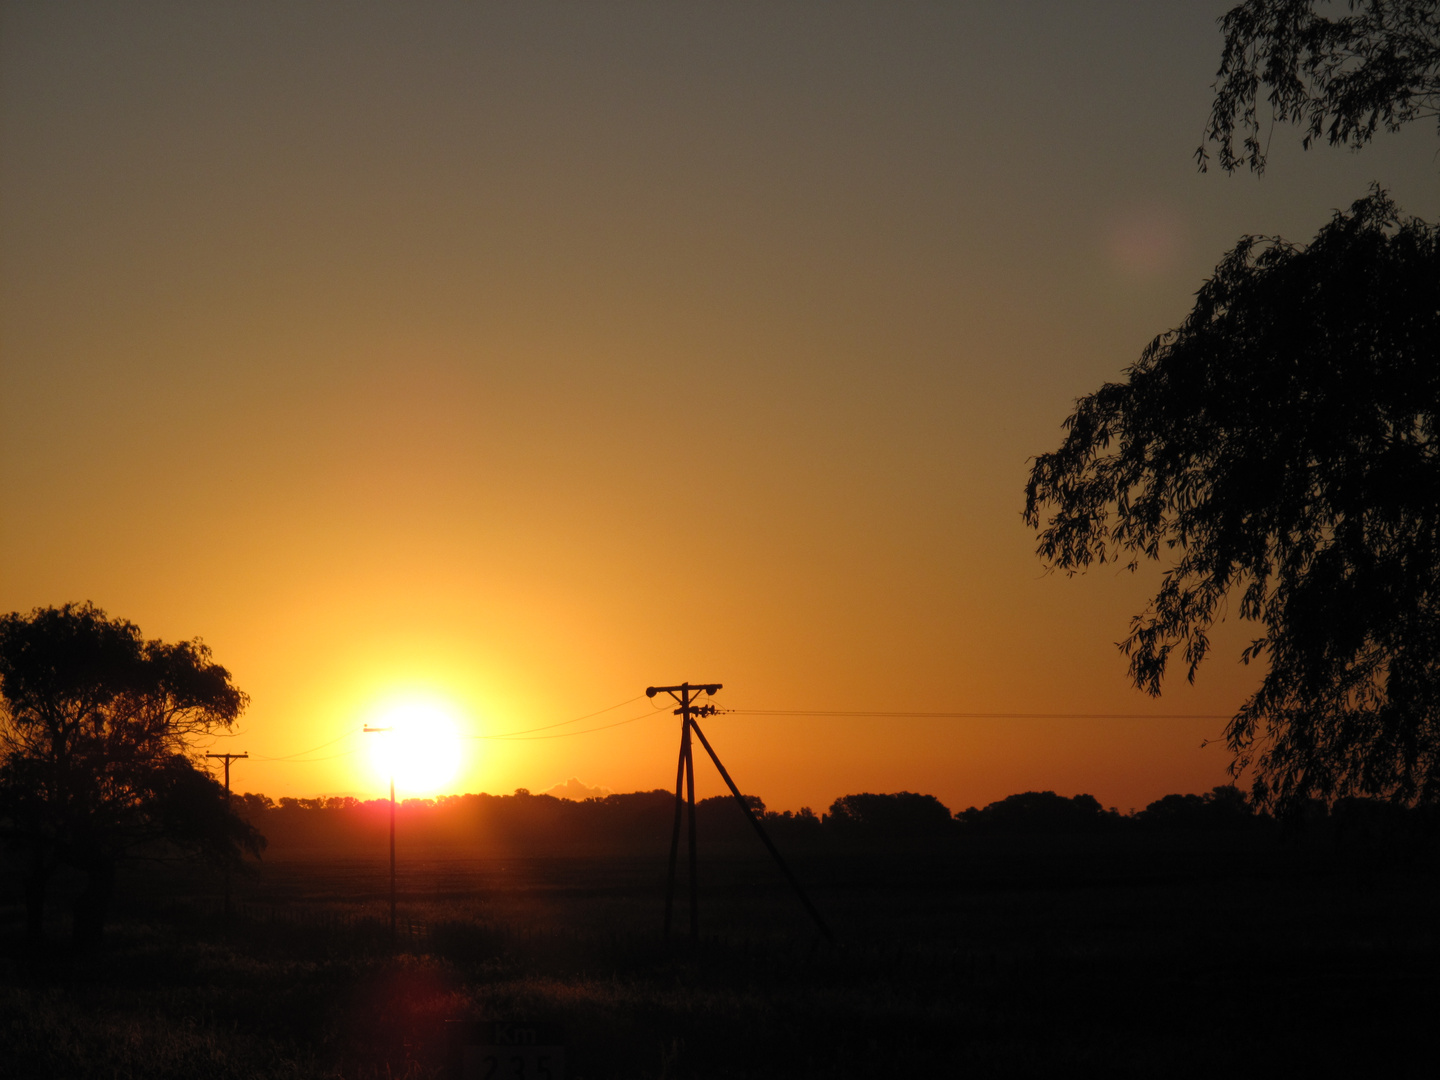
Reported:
(522, 355)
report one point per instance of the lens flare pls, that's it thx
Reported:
(422, 748)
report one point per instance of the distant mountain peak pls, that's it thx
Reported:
(574, 789)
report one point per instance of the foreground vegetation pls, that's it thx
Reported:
(1002, 956)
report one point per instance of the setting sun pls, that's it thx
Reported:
(418, 743)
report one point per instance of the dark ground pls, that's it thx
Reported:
(1041, 956)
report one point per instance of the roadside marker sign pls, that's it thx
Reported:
(499, 1050)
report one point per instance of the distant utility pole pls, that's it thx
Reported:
(227, 758)
(685, 694)
(392, 836)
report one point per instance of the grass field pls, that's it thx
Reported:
(1038, 957)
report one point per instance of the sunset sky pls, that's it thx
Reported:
(507, 358)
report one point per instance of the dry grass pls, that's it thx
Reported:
(1197, 964)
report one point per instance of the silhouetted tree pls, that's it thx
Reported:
(1343, 78)
(97, 728)
(1280, 447)
(1224, 809)
(903, 815)
(1038, 812)
(801, 828)
(719, 817)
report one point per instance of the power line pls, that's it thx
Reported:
(904, 715)
(299, 758)
(310, 760)
(562, 723)
(564, 734)
(302, 753)
(527, 734)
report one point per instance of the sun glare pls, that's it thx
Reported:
(421, 749)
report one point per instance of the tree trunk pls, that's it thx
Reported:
(93, 902)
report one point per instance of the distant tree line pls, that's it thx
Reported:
(640, 822)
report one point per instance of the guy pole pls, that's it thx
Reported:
(764, 836)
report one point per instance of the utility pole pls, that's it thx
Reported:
(685, 694)
(392, 836)
(227, 758)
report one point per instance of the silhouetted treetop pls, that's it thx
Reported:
(1376, 65)
(97, 736)
(1038, 812)
(75, 674)
(1280, 448)
(1222, 809)
(900, 815)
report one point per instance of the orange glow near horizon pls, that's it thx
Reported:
(507, 359)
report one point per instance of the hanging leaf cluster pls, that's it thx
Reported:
(1343, 78)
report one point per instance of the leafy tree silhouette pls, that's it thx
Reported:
(1280, 447)
(1342, 78)
(1039, 812)
(903, 815)
(97, 727)
(1224, 809)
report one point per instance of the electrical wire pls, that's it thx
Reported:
(528, 734)
(901, 715)
(299, 756)
(310, 761)
(565, 734)
(548, 727)
(302, 753)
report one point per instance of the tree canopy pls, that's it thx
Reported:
(1039, 812)
(1343, 78)
(903, 815)
(97, 741)
(1279, 448)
